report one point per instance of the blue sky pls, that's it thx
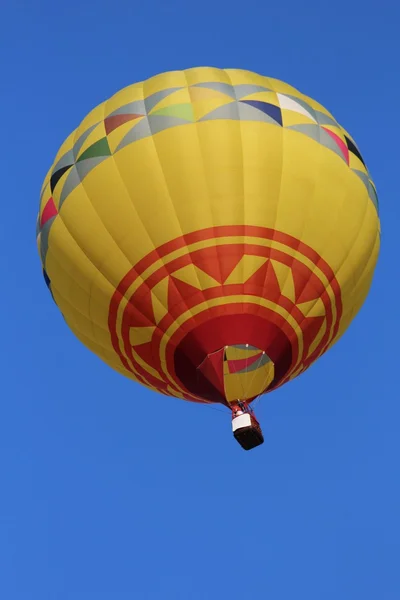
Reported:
(90, 507)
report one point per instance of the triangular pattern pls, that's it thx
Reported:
(327, 140)
(247, 89)
(313, 308)
(160, 310)
(265, 107)
(355, 164)
(142, 300)
(71, 181)
(285, 279)
(353, 148)
(194, 276)
(82, 139)
(227, 262)
(304, 104)
(140, 335)
(159, 123)
(248, 112)
(289, 104)
(227, 111)
(146, 353)
(67, 160)
(307, 286)
(311, 326)
(317, 340)
(136, 317)
(44, 239)
(217, 263)
(85, 166)
(271, 287)
(311, 131)
(118, 134)
(135, 108)
(260, 276)
(324, 119)
(181, 96)
(138, 132)
(160, 293)
(98, 133)
(98, 149)
(179, 290)
(245, 268)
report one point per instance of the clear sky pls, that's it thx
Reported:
(94, 506)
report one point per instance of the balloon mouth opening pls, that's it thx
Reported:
(232, 357)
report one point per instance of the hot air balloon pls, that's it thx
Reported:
(209, 234)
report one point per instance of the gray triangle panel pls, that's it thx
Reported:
(66, 160)
(370, 188)
(227, 111)
(246, 89)
(44, 239)
(72, 181)
(312, 131)
(324, 119)
(154, 99)
(373, 195)
(363, 176)
(138, 132)
(160, 122)
(84, 167)
(45, 188)
(132, 108)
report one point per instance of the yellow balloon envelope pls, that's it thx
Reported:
(209, 233)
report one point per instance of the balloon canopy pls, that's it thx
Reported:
(209, 233)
